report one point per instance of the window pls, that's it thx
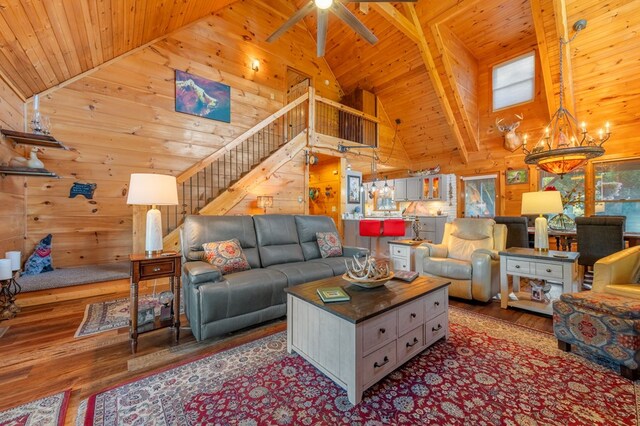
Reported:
(571, 188)
(514, 81)
(480, 196)
(617, 190)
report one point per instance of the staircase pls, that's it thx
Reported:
(217, 183)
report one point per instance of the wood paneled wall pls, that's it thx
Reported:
(12, 192)
(120, 119)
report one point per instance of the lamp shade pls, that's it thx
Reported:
(152, 189)
(542, 202)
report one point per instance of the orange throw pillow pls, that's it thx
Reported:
(226, 256)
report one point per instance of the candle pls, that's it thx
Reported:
(606, 127)
(525, 139)
(14, 257)
(36, 102)
(546, 132)
(5, 269)
(584, 127)
(600, 133)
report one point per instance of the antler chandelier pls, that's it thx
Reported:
(564, 145)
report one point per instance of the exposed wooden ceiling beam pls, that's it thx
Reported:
(562, 28)
(438, 87)
(464, 112)
(543, 53)
(397, 19)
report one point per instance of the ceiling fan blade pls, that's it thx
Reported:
(343, 13)
(323, 23)
(295, 18)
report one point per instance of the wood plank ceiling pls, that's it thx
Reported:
(44, 43)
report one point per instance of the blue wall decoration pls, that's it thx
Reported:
(85, 189)
(204, 98)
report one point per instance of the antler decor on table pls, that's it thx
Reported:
(367, 273)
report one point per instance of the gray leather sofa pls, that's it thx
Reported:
(282, 251)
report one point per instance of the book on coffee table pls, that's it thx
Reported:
(407, 276)
(333, 294)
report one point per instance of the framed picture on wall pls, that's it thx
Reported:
(353, 189)
(204, 98)
(515, 177)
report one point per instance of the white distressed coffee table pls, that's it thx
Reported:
(357, 343)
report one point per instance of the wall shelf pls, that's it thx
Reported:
(33, 139)
(26, 171)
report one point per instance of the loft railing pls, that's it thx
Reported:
(204, 181)
(342, 122)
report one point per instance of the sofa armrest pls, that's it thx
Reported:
(485, 274)
(617, 268)
(199, 272)
(427, 250)
(350, 251)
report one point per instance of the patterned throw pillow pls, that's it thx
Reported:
(226, 256)
(329, 243)
(40, 261)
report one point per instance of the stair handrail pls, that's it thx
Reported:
(191, 171)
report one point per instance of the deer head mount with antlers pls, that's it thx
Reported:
(512, 139)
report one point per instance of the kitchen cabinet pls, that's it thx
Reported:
(409, 189)
(434, 187)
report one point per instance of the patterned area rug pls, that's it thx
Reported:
(105, 316)
(488, 372)
(50, 410)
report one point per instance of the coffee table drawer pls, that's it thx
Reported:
(435, 304)
(411, 343)
(549, 270)
(379, 331)
(436, 328)
(519, 266)
(379, 363)
(410, 316)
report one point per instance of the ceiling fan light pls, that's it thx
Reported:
(323, 4)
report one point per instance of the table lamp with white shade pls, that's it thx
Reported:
(540, 203)
(154, 190)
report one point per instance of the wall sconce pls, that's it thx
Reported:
(265, 201)
(255, 65)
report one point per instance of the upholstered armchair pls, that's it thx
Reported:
(618, 273)
(468, 256)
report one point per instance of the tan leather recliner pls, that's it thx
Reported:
(468, 256)
(618, 273)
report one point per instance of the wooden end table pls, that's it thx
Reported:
(143, 267)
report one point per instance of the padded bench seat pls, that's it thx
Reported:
(601, 324)
(67, 277)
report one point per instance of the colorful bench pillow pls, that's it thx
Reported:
(226, 256)
(329, 244)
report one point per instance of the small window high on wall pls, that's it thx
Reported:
(514, 81)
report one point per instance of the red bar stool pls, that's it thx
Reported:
(393, 228)
(370, 228)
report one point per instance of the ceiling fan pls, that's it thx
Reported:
(323, 7)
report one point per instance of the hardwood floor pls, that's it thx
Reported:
(40, 356)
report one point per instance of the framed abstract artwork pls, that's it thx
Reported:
(353, 189)
(204, 98)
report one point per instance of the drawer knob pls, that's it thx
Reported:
(438, 328)
(415, 342)
(383, 330)
(156, 269)
(436, 303)
(413, 315)
(517, 266)
(548, 269)
(385, 361)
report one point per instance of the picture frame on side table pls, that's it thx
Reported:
(353, 189)
(517, 177)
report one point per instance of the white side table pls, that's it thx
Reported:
(556, 266)
(402, 254)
